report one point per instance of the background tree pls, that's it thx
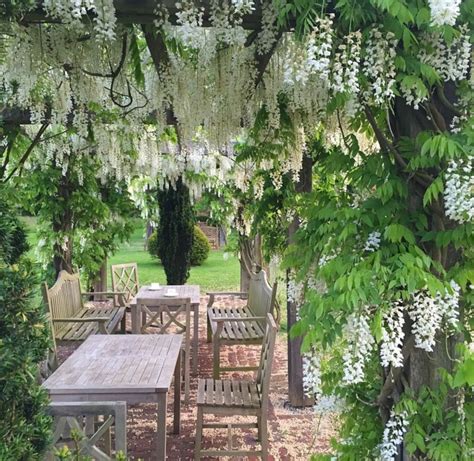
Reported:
(176, 232)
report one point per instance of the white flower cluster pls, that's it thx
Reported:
(328, 404)
(346, 64)
(295, 290)
(373, 241)
(459, 190)
(393, 434)
(379, 66)
(268, 33)
(428, 314)
(444, 12)
(319, 48)
(190, 18)
(451, 61)
(72, 12)
(360, 344)
(311, 374)
(392, 336)
(244, 6)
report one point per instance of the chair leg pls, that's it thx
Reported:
(209, 331)
(216, 358)
(197, 446)
(123, 323)
(263, 434)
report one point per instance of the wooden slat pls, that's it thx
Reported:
(201, 393)
(210, 392)
(227, 393)
(219, 395)
(236, 392)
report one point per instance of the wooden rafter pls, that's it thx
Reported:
(142, 12)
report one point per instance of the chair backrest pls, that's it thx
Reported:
(172, 308)
(262, 296)
(125, 280)
(75, 415)
(266, 359)
(64, 297)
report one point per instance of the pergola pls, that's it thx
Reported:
(142, 13)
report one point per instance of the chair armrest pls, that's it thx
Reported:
(237, 319)
(120, 294)
(85, 319)
(104, 293)
(213, 294)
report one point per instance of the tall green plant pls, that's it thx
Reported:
(24, 426)
(176, 232)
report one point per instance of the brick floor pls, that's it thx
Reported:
(294, 433)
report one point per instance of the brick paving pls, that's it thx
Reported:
(293, 433)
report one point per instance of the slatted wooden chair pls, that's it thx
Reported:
(232, 397)
(125, 279)
(240, 325)
(164, 316)
(77, 416)
(72, 320)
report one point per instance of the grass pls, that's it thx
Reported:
(215, 274)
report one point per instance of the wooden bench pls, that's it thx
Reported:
(72, 320)
(230, 325)
(229, 398)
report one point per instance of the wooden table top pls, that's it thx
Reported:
(182, 291)
(118, 364)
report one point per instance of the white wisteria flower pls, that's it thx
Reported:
(373, 241)
(360, 343)
(312, 374)
(459, 190)
(392, 336)
(444, 12)
(393, 434)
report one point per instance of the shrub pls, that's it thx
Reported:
(176, 232)
(201, 247)
(24, 425)
(199, 252)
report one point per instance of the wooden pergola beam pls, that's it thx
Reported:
(142, 12)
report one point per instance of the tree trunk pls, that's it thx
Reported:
(63, 224)
(250, 257)
(421, 368)
(100, 283)
(296, 394)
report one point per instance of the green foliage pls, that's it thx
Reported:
(438, 428)
(24, 426)
(12, 236)
(81, 221)
(200, 249)
(176, 232)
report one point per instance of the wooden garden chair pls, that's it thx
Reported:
(125, 279)
(71, 318)
(240, 325)
(229, 398)
(83, 419)
(163, 316)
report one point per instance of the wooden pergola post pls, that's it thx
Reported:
(296, 394)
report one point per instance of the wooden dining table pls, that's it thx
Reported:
(131, 368)
(151, 297)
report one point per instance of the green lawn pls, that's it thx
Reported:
(216, 273)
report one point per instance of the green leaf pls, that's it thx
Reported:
(433, 191)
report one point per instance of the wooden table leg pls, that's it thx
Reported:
(195, 337)
(136, 319)
(161, 433)
(177, 396)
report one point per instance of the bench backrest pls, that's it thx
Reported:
(261, 299)
(64, 297)
(266, 359)
(125, 280)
